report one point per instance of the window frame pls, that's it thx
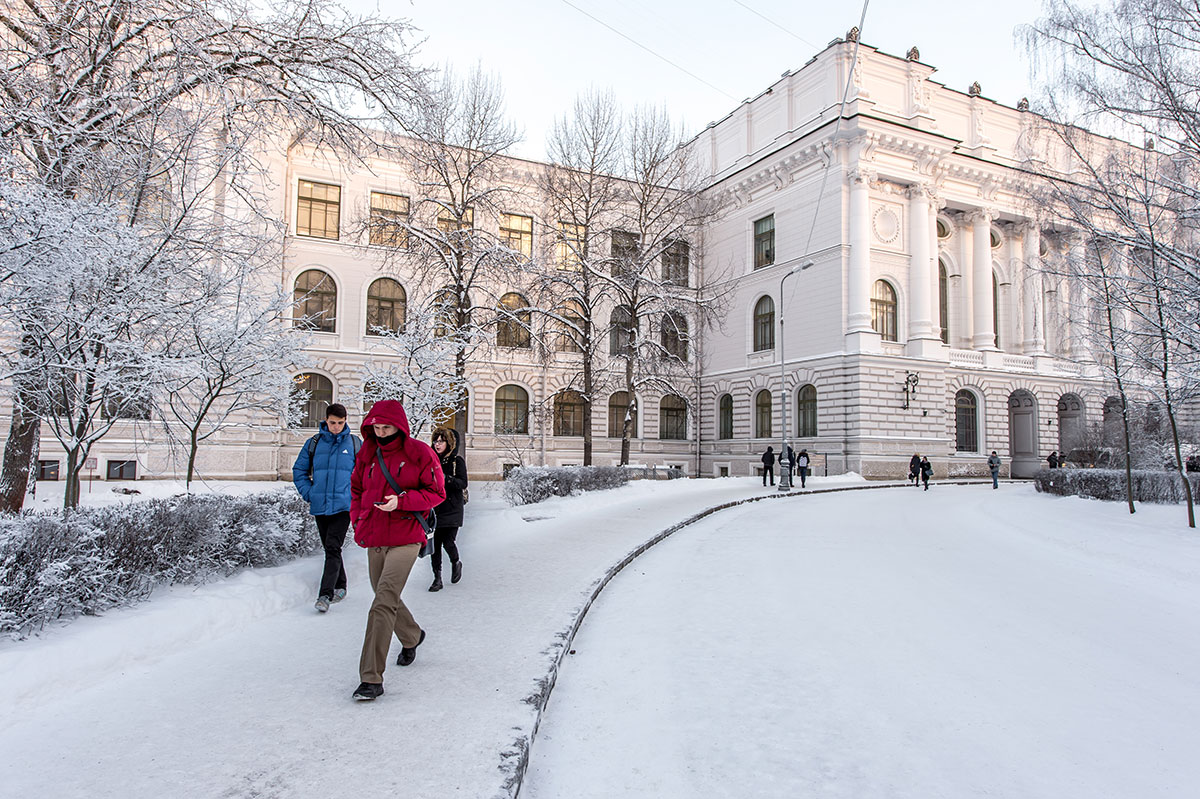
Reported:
(326, 299)
(673, 335)
(387, 225)
(513, 409)
(522, 236)
(764, 414)
(313, 411)
(616, 415)
(398, 308)
(884, 311)
(676, 264)
(305, 207)
(672, 421)
(513, 327)
(568, 414)
(763, 335)
(764, 241)
(806, 411)
(966, 430)
(725, 417)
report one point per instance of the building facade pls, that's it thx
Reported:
(881, 269)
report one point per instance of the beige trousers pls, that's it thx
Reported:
(388, 568)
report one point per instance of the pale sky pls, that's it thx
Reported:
(547, 51)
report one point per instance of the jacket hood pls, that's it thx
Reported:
(451, 436)
(385, 412)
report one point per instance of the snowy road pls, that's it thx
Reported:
(958, 643)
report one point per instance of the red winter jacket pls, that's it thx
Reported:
(415, 468)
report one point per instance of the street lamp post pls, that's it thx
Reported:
(785, 474)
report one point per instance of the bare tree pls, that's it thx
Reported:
(127, 102)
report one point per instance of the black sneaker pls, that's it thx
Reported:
(409, 654)
(456, 571)
(437, 583)
(366, 691)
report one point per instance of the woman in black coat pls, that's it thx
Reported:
(450, 512)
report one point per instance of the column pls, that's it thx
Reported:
(858, 280)
(984, 337)
(1070, 296)
(1034, 342)
(920, 317)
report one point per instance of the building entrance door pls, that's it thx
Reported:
(1022, 434)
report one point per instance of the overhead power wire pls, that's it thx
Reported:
(836, 129)
(649, 50)
(764, 17)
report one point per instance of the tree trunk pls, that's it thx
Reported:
(71, 494)
(587, 410)
(19, 452)
(191, 469)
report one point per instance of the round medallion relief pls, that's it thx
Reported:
(887, 225)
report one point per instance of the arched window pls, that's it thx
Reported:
(386, 307)
(675, 335)
(620, 331)
(672, 418)
(725, 417)
(568, 413)
(315, 297)
(764, 324)
(512, 410)
(762, 414)
(571, 331)
(883, 310)
(370, 395)
(618, 406)
(512, 329)
(944, 301)
(966, 422)
(315, 394)
(806, 415)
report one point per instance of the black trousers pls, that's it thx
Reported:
(803, 475)
(768, 471)
(443, 537)
(333, 535)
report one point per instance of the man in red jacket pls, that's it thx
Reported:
(385, 525)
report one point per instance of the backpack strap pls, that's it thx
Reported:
(387, 475)
(310, 446)
(355, 445)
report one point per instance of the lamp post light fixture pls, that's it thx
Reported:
(910, 386)
(785, 474)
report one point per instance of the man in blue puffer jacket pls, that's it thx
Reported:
(322, 476)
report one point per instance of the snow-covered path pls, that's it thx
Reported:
(958, 643)
(241, 689)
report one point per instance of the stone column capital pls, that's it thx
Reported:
(921, 190)
(862, 175)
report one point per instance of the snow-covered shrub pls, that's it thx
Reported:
(1109, 484)
(58, 567)
(530, 484)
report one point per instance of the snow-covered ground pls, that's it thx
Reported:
(959, 642)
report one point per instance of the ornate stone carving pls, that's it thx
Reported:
(885, 223)
(861, 175)
(852, 34)
(1023, 104)
(975, 89)
(914, 54)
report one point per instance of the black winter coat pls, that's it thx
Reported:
(454, 468)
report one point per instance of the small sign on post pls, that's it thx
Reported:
(90, 465)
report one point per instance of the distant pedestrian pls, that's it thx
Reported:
(386, 525)
(993, 463)
(914, 469)
(788, 463)
(1053, 460)
(802, 465)
(450, 512)
(768, 462)
(322, 476)
(926, 471)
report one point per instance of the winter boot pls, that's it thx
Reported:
(366, 691)
(437, 583)
(322, 605)
(409, 654)
(456, 571)
(339, 594)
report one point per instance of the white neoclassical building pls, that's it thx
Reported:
(881, 269)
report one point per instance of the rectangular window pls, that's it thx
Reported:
(318, 210)
(675, 264)
(570, 246)
(516, 233)
(447, 221)
(121, 470)
(624, 252)
(764, 241)
(389, 215)
(47, 470)
(672, 424)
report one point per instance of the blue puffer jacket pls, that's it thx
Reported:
(327, 491)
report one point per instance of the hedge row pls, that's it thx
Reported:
(58, 567)
(530, 484)
(1109, 484)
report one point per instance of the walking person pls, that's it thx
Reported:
(768, 462)
(788, 462)
(926, 471)
(386, 525)
(914, 469)
(321, 474)
(450, 512)
(993, 463)
(1053, 460)
(802, 466)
